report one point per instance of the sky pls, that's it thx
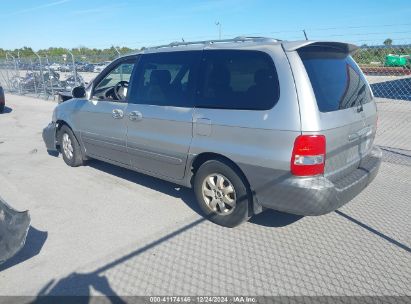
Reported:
(102, 23)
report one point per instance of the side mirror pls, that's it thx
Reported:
(78, 92)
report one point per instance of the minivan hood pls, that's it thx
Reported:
(290, 46)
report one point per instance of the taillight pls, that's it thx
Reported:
(308, 156)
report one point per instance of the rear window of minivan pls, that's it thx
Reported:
(335, 78)
(238, 79)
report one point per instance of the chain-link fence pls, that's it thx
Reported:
(388, 69)
(45, 76)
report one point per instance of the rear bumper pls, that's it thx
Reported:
(319, 195)
(49, 136)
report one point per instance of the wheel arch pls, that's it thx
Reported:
(59, 124)
(201, 158)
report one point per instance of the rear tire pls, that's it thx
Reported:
(70, 148)
(222, 193)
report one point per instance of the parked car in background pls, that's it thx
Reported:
(37, 66)
(98, 67)
(65, 68)
(248, 123)
(87, 67)
(55, 66)
(2, 100)
(79, 65)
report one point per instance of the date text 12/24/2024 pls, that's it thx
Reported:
(202, 299)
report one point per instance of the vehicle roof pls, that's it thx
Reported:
(243, 42)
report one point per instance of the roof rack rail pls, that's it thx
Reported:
(255, 38)
(236, 39)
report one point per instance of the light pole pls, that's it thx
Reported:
(218, 23)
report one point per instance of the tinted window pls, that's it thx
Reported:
(243, 80)
(166, 79)
(336, 80)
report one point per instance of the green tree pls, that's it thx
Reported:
(81, 53)
(24, 51)
(388, 41)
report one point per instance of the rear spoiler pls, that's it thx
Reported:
(295, 45)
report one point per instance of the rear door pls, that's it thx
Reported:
(346, 110)
(160, 112)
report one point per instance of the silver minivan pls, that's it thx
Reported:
(248, 123)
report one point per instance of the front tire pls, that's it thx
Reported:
(222, 193)
(70, 148)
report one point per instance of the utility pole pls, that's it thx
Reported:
(218, 23)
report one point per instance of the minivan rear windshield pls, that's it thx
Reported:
(335, 78)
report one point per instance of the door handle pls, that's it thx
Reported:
(135, 116)
(117, 113)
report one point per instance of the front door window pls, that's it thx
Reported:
(114, 85)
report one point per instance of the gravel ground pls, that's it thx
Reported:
(99, 229)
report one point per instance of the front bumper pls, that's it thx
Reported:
(49, 136)
(319, 195)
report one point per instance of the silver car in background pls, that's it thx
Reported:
(248, 123)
